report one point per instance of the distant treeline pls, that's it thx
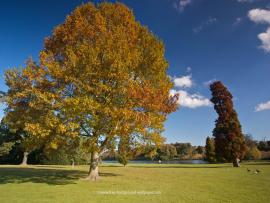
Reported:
(173, 151)
(257, 149)
(254, 149)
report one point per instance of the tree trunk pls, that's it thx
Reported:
(236, 162)
(93, 171)
(25, 156)
(73, 164)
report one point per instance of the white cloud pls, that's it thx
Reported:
(262, 16)
(184, 81)
(191, 100)
(265, 39)
(187, 99)
(263, 106)
(204, 24)
(259, 15)
(180, 5)
(189, 69)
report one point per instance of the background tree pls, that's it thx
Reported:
(229, 140)
(210, 154)
(264, 145)
(184, 150)
(7, 140)
(200, 149)
(253, 153)
(145, 152)
(252, 150)
(101, 75)
(166, 152)
(124, 153)
(25, 108)
(72, 152)
(11, 147)
(5, 148)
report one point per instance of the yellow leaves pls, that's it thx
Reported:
(53, 145)
(100, 68)
(79, 106)
(37, 130)
(61, 129)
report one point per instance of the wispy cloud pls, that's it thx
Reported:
(189, 69)
(262, 16)
(237, 21)
(208, 22)
(246, 1)
(263, 106)
(180, 5)
(209, 82)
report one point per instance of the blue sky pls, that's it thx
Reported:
(205, 40)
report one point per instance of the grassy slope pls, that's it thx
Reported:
(177, 183)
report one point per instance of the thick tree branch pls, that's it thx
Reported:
(85, 130)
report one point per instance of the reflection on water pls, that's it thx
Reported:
(163, 162)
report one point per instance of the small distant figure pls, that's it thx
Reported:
(258, 171)
(159, 161)
(248, 170)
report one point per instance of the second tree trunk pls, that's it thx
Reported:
(25, 156)
(236, 162)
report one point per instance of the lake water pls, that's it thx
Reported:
(163, 162)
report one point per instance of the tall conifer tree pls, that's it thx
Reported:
(229, 139)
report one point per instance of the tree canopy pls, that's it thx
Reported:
(101, 75)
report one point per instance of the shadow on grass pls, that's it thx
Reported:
(51, 166)
(48, 176)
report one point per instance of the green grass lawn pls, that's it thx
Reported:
(135, 183)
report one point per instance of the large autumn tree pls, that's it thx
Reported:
(101, 75)
(229, 139)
